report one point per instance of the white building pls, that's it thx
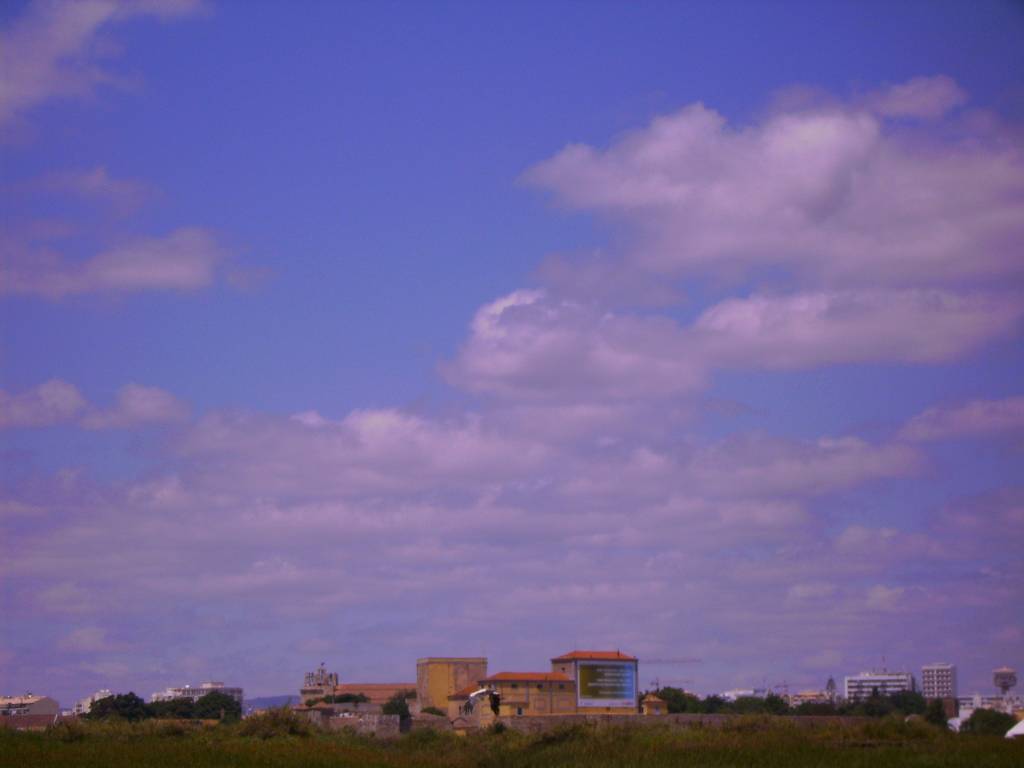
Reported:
(188, 692)
(860, 687)
(84, 706)
(938, 681)
(741, 693)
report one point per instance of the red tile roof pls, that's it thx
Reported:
(463, 693)
(592, 655)
(556, 677)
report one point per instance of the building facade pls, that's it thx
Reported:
(532, 693)
(188, 692)
(862, 686)
(938, 681)
(29, 704)
(84, 706)
(438, 678)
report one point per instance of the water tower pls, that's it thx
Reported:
(1004, 679)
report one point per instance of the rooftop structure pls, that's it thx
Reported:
(1004, 679)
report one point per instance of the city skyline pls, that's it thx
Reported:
(387, 331)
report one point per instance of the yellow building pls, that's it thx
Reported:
(532, 693)
(437, 678)
(652, 705)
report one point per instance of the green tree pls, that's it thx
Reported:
(397, 705)
(126, 706)
(988, 721)
(181, 709)
(216, 706)
(775, 704)
(678, 700)
(908, 702)
(713, 704)
(936, 714)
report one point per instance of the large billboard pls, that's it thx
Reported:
(606, 684)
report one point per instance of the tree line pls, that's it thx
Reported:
(901, 703)
(128, 706)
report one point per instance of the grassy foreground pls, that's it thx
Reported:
(748, 742)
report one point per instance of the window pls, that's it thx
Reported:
(514, 685)
(519, 710)
(540, 687)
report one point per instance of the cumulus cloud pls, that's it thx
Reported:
(811, 329)
(921, 97)
(977, 418)
(58, 402)
(51, 402)
(828, 193)
(534, 346)
(529, 347)
(51, 49)
(183, 260)
(138, 405)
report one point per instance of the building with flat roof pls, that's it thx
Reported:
(862, 686)
(938, 681)
(438, 678)
(28, 704)
(188, 692)
(533, 693)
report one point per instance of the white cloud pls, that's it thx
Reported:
(50, 51)
(52, 402)
(830, 194)
(184, 260)
(58, 402)
(976, 418)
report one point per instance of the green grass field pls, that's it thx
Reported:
(748, 742)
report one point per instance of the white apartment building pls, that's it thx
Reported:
(84, 706)
(938, 681)
(188, 692)
(860, 687)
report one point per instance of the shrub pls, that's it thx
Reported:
(433, 711)
(275, 723)
(988, 721)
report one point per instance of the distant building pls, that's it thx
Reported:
(533, 693)
(438, 678)
(862, 686)
(808, 697)
(29, 704)
(653, 705)
(318, 683)
(938, 681)
(83, 706)
(188, 692)
(744, 693)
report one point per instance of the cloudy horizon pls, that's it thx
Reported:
(361, 334)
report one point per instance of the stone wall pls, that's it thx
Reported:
(382, 726)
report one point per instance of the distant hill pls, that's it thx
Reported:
(265, 702)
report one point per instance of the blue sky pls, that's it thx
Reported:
(476, 317)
